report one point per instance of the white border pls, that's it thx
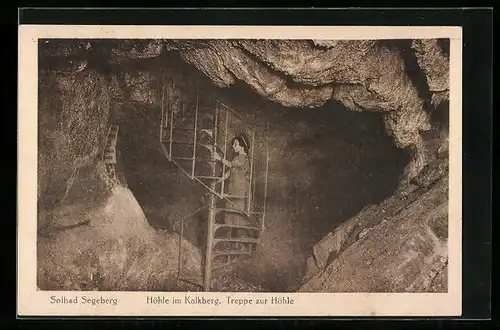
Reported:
(32, 302)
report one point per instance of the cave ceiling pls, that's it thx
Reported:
(363, 75)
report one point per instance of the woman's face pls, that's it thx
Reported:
(236, 146)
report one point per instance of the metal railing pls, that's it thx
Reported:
(167, 126)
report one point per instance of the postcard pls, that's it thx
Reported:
(239, 171)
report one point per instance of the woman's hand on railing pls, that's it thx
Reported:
(225, 176)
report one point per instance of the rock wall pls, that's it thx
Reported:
(113, 248)
(399, 245)
(92, 233)
(363, 75)
(72, 120)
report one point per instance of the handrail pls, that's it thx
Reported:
(171, 125)
(265, 190)
(162, 111)
(225, 153)
(231, 110)
(188, 216)
(251, 173)
(195, 136)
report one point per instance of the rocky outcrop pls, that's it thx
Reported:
(92, 233)
(73, 114)
(399, 245)
(435, 64)
(306, 64)
(111, 247)
(126, 50)
(362, 75)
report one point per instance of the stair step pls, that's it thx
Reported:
(188, 143)
(191, 129)
(196, 159)
(208, 177)
(231, 211)
(221, 225)
(238, 239)
(233, 196)
(205, 145)
(231, 253)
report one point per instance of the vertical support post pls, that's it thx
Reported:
(225, 152)
(170, 135)
(162, 111)
(167, 107)
(195, 136)
(210, 238)
(265, 191)
(253, 192)
(211, 214)
(180, 252)
(252, 150)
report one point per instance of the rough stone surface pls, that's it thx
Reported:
(434, 63)
(92, 233)
(64, 48)
(73, 112)
(223, 63)
(364, 76)
(135, 86)
(126, 50)
(397, 246)
(310, 65)
(116, 250)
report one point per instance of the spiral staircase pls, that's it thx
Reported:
(192, 126)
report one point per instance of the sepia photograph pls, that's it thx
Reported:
(241, 165)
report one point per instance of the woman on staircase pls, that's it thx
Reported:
(237, 192)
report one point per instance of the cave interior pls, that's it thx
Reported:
(326, 163)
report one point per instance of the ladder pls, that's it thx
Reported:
(109, 154)
(188, 144)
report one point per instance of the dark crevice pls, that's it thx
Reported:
(444, 44)
(414, 72)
